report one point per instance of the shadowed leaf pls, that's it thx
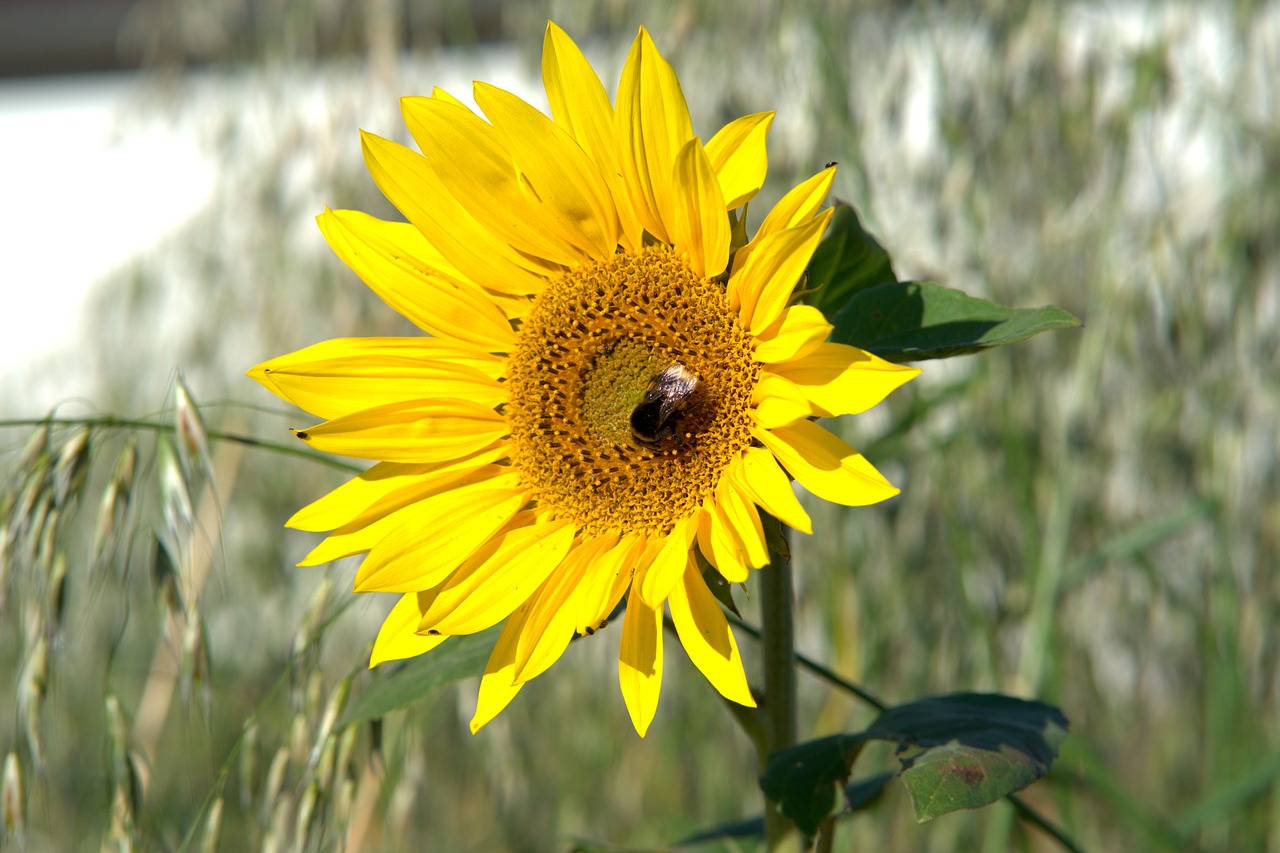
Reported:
(920, 320)
(974, 748)
(959, 751)
(847, 261)
(752, 827)
(450, 662)
(720, 588)
(802, 779)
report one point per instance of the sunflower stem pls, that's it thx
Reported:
(778, 646)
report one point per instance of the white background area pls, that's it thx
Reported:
(85, 185)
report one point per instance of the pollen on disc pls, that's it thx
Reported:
(585, 355)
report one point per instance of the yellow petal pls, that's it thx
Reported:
(606, 579)
(663, 573)
(640, 661)
(441, 95)
(797, 332)
(719, 546)
(435, 350)
(398, 639)
(513, 304)
(371, 524)
(447, 528)
(562, 176)
(497, 686)
(498, 578)
(842, 380)
(653, 124)
(739, 158)
(706, 637)
(412, 185)
(778, 402)
(363, 373)
(767, 485)
(581, 106)
(825, 465)
(381, 253)
(387, 487)
(735, 510)
(355, 538)
(473, 164)
(799, 205)
(699, 225)
(412, 431)
(763, 283)
(554, 610)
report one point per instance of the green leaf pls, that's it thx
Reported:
(920, 320)
(848, 260)
(802, 780)
(974, 748)
(752, 827)
(960, 751)
(450, 662)
(858, 795)
(720, 588)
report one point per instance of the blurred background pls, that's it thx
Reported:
(1091, 518)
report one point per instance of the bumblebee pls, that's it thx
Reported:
(666, 401)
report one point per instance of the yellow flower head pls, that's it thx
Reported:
(609, 380)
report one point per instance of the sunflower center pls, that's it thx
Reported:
(590, 352)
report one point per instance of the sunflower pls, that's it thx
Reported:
(613, 380)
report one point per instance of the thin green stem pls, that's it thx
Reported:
(817, 669)
(777, 637)
(112, 422)
(1042, 823)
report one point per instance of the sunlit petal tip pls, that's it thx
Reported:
(699, 226)
(497, 685)
(441, 95)
(738, 155)
(398, 638)
(838, 379)
(825, 465)
(798, 331)
(707, 639)
(640, 662)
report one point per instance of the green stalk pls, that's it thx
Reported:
(778, 647)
